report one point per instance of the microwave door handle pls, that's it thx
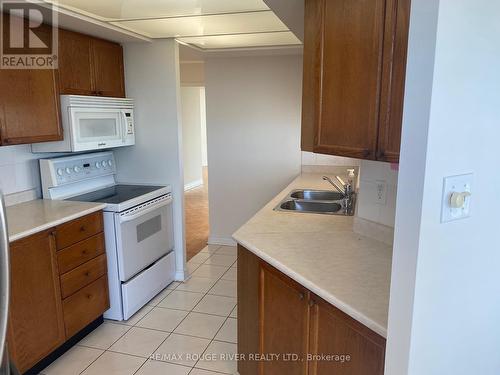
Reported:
(144, 211)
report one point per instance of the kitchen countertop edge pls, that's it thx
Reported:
(93, 207)
(328, 297)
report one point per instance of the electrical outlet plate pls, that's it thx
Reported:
(381, 197)
(456, 184)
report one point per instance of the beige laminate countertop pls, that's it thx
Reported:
(35, 216)
(325, 255)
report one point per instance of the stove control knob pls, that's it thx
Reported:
(110, 163)
(76, 168)
(60, 171)
(104, 164)
(97, 165)
(68, 170)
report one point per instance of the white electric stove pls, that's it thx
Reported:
(138, 226)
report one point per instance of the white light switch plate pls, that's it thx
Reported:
(456, 184)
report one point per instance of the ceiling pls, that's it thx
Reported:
(205, 24)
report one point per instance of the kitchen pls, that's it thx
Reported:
(383, 277)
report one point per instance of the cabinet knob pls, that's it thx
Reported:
(312, 303)
(381, 155)
(87, 274)
(84, 252)
(367, 153)
(82, 228)
(301, 296)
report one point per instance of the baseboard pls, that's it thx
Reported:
(226, 241)
(193, 185)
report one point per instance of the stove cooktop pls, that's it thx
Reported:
(116, 195)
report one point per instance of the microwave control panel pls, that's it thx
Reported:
(129, 116)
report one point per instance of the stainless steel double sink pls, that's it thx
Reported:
(316, 201)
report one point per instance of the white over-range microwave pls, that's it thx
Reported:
(93, 123)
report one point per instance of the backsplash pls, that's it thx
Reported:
(373, 174)
(19, 170)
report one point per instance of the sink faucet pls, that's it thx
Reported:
(346, 189)
(341, 190)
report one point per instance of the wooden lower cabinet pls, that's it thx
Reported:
(55, 292)
(284, 329)
(36, 325)
(283, 323)
(360, 351)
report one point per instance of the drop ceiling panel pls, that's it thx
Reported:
(243, 41)
(206, 25)
(134, 9)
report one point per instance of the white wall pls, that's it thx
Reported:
(191, 136)
(155, 158)
(203, 123)
(192, 73)
(454, 325)
(253, 130)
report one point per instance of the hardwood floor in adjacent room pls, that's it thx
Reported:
(196, 210)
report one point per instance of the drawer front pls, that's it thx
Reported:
(78, 230)
(80, 253)
(83, 275)
(85, 306)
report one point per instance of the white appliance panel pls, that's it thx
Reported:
(144, 234)
(143, 287)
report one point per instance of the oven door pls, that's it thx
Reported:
(143, 235)
(95, 128)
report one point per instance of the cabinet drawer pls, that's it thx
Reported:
(80, 253)
(78, 230)
(85, 305)
(83, 275)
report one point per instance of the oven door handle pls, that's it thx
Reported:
(146, 210)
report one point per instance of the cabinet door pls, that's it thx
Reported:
(29, 107)
(36, 325)
(107, 59)
(75, 70)
(395, 53)
(352, 35)
(335, 333)
(283, 323)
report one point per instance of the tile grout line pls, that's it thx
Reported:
(170, 334)
(213, 339)
(129, 327)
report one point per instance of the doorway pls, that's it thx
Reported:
(195, 169)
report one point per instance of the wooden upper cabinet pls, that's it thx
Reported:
(36, 325)
(333, 332)
(90, 66)
(395, 55)
(284, 323)
(29, 106)
(75, 64)
(108, 68)
(354, 68)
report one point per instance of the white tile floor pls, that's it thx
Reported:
(188, 329)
